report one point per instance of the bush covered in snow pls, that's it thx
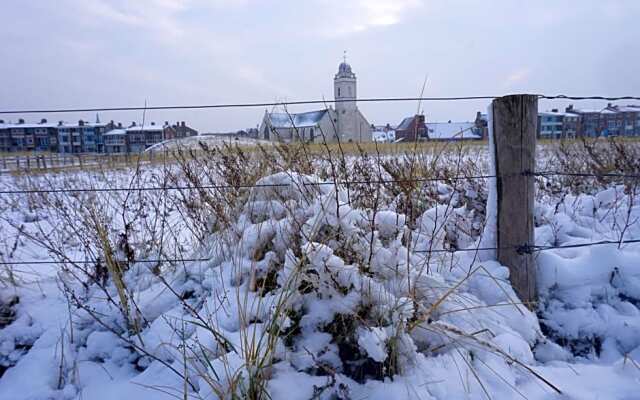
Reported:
(279, 274)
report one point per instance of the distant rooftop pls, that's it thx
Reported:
(301, 120)
(116, 132)
(451, 130)
(145, 128)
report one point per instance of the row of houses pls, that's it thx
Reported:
(613, 120)
(87, 137)
(416, 128)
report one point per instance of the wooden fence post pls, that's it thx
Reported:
(514, 128)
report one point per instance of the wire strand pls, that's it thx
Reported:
(243, 105)
(524, 248)
(585, 174)
(301, 102)
(224, 187)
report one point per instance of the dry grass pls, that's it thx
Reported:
(115, 231)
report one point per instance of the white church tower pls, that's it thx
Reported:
(352, 126)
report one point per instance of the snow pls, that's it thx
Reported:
(300, 120)
(116, 132)
(451, 130)
(431, 326)
(145, 128)
(373, 342)
(193, 142)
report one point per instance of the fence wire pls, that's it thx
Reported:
(522, 248)
(302, 102)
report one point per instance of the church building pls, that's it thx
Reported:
(345, 122)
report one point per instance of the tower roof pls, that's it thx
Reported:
(344, 71)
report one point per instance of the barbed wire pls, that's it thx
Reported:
(142, 261)
(580, 98)
(585, 174)
(301, 102)
(225, 187)
(325, 183)
(522, 249)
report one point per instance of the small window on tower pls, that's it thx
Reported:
(349, 91)
(338, 92)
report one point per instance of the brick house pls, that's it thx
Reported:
(412, 129)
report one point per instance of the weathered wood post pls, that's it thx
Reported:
(515, 119)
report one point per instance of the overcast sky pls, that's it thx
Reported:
(95, 53)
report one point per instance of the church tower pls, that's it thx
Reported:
(344, 91)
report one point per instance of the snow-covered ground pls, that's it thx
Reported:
(305, 291)
(193, 142)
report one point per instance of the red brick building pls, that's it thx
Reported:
(412, 129)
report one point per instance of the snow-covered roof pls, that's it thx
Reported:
(25, 126)
(301, 120)
(405, 124)
(145, 128)
(85, 124)
(586, 111)
(115, 132)
(629, 109)
(451, 130)
(557, 114)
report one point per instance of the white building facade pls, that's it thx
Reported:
(345, 123)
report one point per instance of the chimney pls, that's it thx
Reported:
(21, 121)
(166, 123)
(554, 110)
(60, 123)
(182, 124)
(133, 123)
(449, 121)
(43, 121)
(1, 121)
(153, 123)
(569, 108)
(81, 123)
(609, 105)
(119, 124)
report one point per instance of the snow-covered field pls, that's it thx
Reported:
(210, 140)
(296, 289)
